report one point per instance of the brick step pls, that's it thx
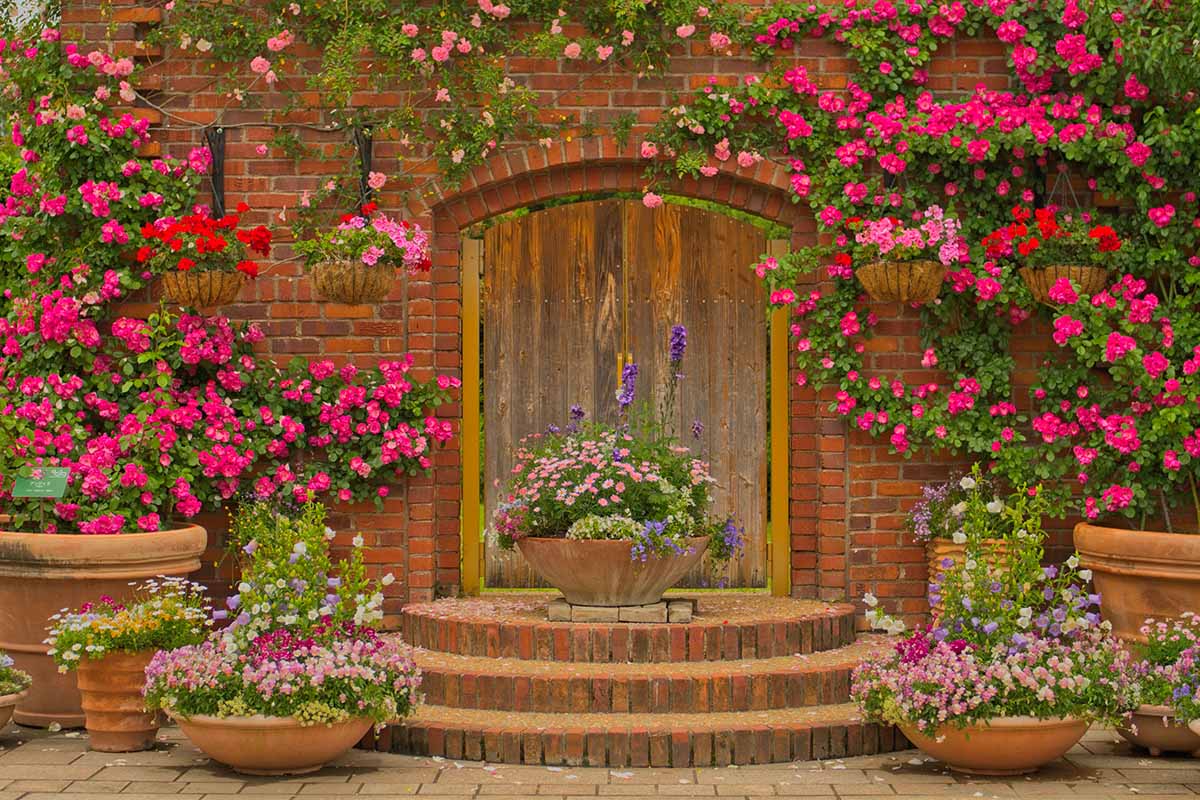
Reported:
(505, 684)
(726, 627)
(623, 740)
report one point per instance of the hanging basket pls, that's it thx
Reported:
(902, 281)
(352, 282)
(202, 289)
(1040, 280)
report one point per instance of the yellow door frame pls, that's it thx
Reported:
(779, 552)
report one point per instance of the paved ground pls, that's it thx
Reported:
(40, 766)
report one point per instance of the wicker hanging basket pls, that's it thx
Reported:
(201, 289)
(902, 281)
(1086, 279)
(352, 282)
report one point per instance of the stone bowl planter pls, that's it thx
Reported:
(261, 745)
(42, 573)
(1140, 574)
(601, 572)
(1000, 746)
(1154, 728)
(111, 688)
(8, 704)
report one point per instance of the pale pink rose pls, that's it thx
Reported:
(684, 31)
(572, 50)
(651, 200)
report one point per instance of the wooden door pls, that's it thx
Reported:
(569, 291)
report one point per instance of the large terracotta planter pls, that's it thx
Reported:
(271, 745)
(1000, 746)
(1154, 728)
(40, 574)
(8, 704)
(111, 688)
(601, 572)
(1140, 574)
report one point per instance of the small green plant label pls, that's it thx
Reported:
(45, 482)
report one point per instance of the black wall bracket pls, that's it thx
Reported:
(214, 137)
(363, 143)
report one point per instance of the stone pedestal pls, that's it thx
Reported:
(673, 610)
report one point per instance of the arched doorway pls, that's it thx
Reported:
(567, 295)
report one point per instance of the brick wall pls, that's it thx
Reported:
(847, 494)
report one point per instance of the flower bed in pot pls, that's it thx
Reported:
(1016, 667)
(298, 676)
(109, 645)
(14, 684)
(41, 573)
(614, 515)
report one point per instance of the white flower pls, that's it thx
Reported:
(1085, 574)
(243, 587)
(357, 541)
(1073, 561)
(958, 508)
(388, 579)
(967, 483)
(959, 537)
(329, 534)
(995, 507)
(300, 548)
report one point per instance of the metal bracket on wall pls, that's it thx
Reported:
(364, 144)
(214, 137)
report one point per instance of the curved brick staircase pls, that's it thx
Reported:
(751, 680)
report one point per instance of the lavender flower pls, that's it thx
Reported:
(697, 429)
(577, 413)
(677, 345)
(628, 386)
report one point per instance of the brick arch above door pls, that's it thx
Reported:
(817, 498)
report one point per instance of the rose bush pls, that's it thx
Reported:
(156, 418)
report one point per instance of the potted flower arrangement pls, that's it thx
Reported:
(299, 675)
(109, 644)
(940, 520)
(906, 262)
(13, 685)
(356, 262)
(1015, 670)
(613, 515)
(1055, 248)
(1166, 653)
(204, 260)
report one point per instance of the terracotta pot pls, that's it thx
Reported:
(1140, 574)
(1040, 280)
(902, 281)
(352, 282)
(271, 745)
(203, 289)
(1154, 728)
(111, 687)
(42, 573)
(1000, 746)
(8, 704)
(601, 572)
(938, 550)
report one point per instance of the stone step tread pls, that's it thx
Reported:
(727, 627)
(475, 719)
(647, 740)
(849, 656)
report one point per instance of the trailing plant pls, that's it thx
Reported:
(301, 644)
(1160, 668)
(164, 614)
(633, 480)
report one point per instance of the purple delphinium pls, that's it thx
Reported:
(677, 345)
(697, 429)
(628, 386)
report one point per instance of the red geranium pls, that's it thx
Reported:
(201, 242)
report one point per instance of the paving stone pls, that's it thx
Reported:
(390, 789)
(595, 614)
(655, 612)
(558, 610)
(46, 772)
(680, 611)
(96, 787)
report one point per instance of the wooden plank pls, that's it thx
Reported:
(551, 313)
(691, 266)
